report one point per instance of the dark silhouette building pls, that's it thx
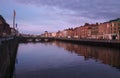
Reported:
(4, 27)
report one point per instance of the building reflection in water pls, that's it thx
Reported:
(104, 55)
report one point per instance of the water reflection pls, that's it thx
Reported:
(104, 55)
(66, 60)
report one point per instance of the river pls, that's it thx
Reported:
(66, 60)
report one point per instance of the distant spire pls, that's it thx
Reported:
(14, 15)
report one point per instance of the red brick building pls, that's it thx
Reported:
(76, 32)
(104, 31)
(94, 31)
(110, 30)
(88, 31)
(70, 33)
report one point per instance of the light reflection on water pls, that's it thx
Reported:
(66, 60)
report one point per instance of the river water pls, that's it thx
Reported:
(66, 60)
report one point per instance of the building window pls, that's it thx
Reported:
(111, 29)
(111, 25)
(114, 31)
(119, 28)
(114, 28)
(119, 24)
(114, 24)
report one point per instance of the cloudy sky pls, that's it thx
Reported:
(37, 16)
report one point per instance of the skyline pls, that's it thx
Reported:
(53, 15)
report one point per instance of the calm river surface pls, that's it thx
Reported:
(66, 60)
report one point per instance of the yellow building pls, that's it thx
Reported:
(115, 28)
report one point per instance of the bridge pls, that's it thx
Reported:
(35, 39)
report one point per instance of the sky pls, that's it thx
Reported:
(37, 16)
